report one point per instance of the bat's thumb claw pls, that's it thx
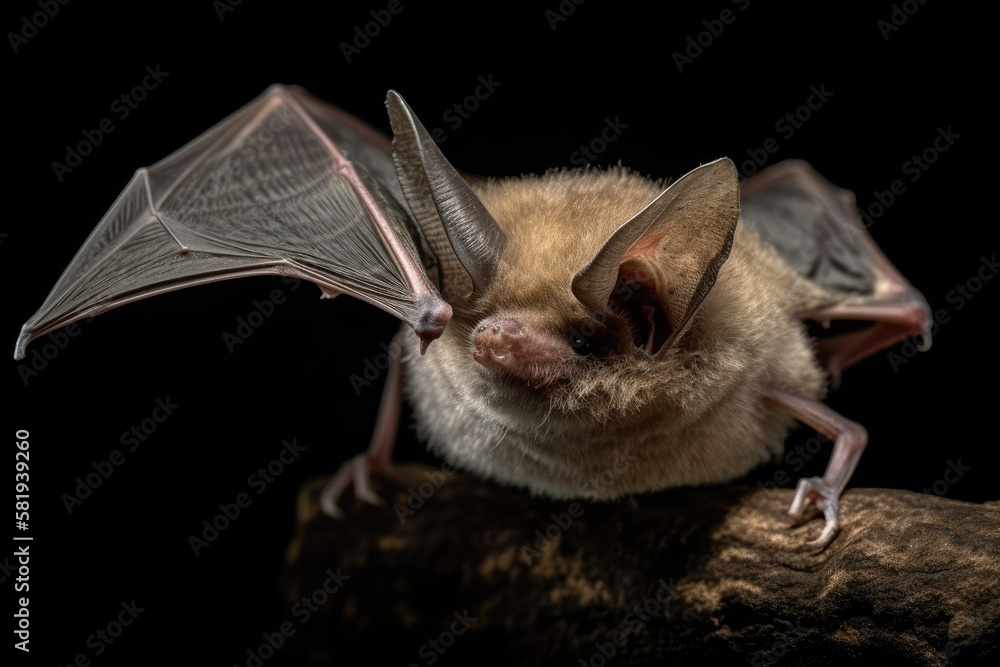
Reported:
(22, 343)
(924, 340)
(433, 319)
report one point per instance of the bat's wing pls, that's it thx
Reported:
(816, 228)
(286, 186)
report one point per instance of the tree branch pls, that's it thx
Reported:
(690, 576)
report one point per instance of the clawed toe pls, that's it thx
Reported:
(356, 470)
(817, 492)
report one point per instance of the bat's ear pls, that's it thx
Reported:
(658, 267)
(454, 221)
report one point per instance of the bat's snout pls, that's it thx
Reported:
(496, 340)
(511, 346)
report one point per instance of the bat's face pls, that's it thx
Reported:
(529, 329)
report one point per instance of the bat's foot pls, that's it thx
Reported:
(816, 491)
(356, 470)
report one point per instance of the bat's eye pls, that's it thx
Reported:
(580, 344)
(589, 339)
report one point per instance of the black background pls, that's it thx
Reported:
(291, 378)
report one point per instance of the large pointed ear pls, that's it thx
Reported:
(658, 267)
(457, 226)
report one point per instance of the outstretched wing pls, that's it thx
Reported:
(816, 228)
(285, 186)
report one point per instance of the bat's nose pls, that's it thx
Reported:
(520, 350)
(495, 339)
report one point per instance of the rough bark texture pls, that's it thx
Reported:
(702, 576)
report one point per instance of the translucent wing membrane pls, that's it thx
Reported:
(815, 227)
(285, 186)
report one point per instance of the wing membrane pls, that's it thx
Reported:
(267, 191)
(816, 228)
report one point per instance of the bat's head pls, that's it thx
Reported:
(565, 282)
(600, 275)
(558, 277)
(584, 337)
(593, 332)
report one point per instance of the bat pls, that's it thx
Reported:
(594, 332)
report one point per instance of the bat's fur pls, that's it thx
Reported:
(622, 423)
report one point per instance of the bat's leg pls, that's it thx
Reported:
(849, 439)
(379, 454)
